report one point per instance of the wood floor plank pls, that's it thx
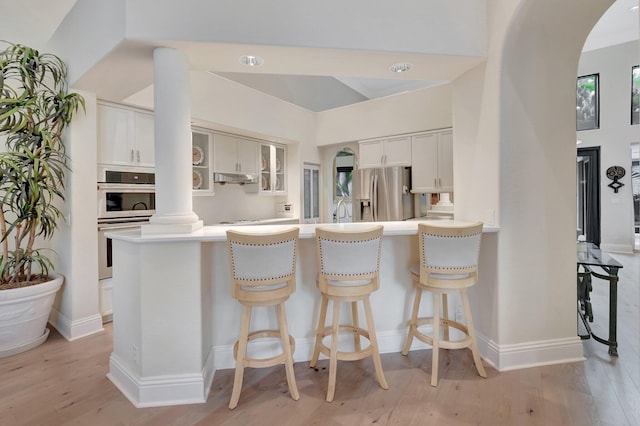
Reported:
(64, 383)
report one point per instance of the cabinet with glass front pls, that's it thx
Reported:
(273, 169)
(201, 162)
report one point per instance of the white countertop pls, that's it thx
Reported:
(219, 232)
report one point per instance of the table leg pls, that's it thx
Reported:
(612, 277)
(613, 312)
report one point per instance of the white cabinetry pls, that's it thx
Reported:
(201, 142)
(385, 152)
(273, 168)
(233, 154)
(125, 136)
(432, 162)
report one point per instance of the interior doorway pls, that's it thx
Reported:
(588, 194)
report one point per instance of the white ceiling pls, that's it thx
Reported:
(314, 92)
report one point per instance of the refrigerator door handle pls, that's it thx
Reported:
(374, 196)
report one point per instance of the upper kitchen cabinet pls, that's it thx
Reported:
(273, 169)
(386, 152)
(201, 142)
(432, 162)
(233, 154)
(125, 136)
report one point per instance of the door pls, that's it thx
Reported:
(390, 190)
(144, 143)
(115, 137)
(397, 152)
(588, 193)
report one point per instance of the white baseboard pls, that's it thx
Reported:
(530, 354)
(76, 329)
(501, 357)
(617, 248)
(161, 391)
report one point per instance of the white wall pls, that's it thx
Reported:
(614, 138)
(76, 311)
(536, 249)
(454, 27)
(231, 203)
(424, 109)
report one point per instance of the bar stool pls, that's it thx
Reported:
(263, 271)
(348, 265)
(448, 263)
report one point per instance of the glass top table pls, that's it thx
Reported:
(592, 262)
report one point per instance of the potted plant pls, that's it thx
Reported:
(35, 108)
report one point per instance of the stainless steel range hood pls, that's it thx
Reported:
(234, 178)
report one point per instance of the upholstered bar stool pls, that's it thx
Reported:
(448, 263)
(263, 271)
(348, 269)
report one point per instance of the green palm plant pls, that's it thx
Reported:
(35, 108)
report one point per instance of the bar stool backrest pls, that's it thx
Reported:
(348, 257)
(449, 252)
(262, 262)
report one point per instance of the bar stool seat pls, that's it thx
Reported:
(348, 271)
(448, 263)
(263, 269)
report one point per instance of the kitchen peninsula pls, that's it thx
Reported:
(175, 322)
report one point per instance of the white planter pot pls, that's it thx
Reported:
(24, 313)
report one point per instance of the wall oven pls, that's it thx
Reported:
(126, 200)
(105, 256)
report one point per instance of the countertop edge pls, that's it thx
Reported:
(218, 232)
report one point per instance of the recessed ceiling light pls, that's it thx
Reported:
(400, 67)
(251, 61)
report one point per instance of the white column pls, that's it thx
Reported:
(172, 129)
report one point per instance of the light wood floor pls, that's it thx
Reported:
(63, 383)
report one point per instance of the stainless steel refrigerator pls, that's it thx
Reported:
(382, 194)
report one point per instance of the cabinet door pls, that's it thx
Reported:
(202, 175)
(115, 137)
(280, 166)
(265, 169)
(371, 154)
(445, 161)
(247, 156)
(397, 152)
(424, 168)
(225, 154)
(144, 143)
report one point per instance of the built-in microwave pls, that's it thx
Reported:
(126, 194)
(122, 200)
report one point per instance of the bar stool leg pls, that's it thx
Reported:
(333, 358)
(286, 347)
(435, 338)
(242, 352)
(319, 331)
(413, 321)
(374, 344)
(445, 317)
(472, 334)
(356, 325)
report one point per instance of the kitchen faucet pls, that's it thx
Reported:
(341, 203)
